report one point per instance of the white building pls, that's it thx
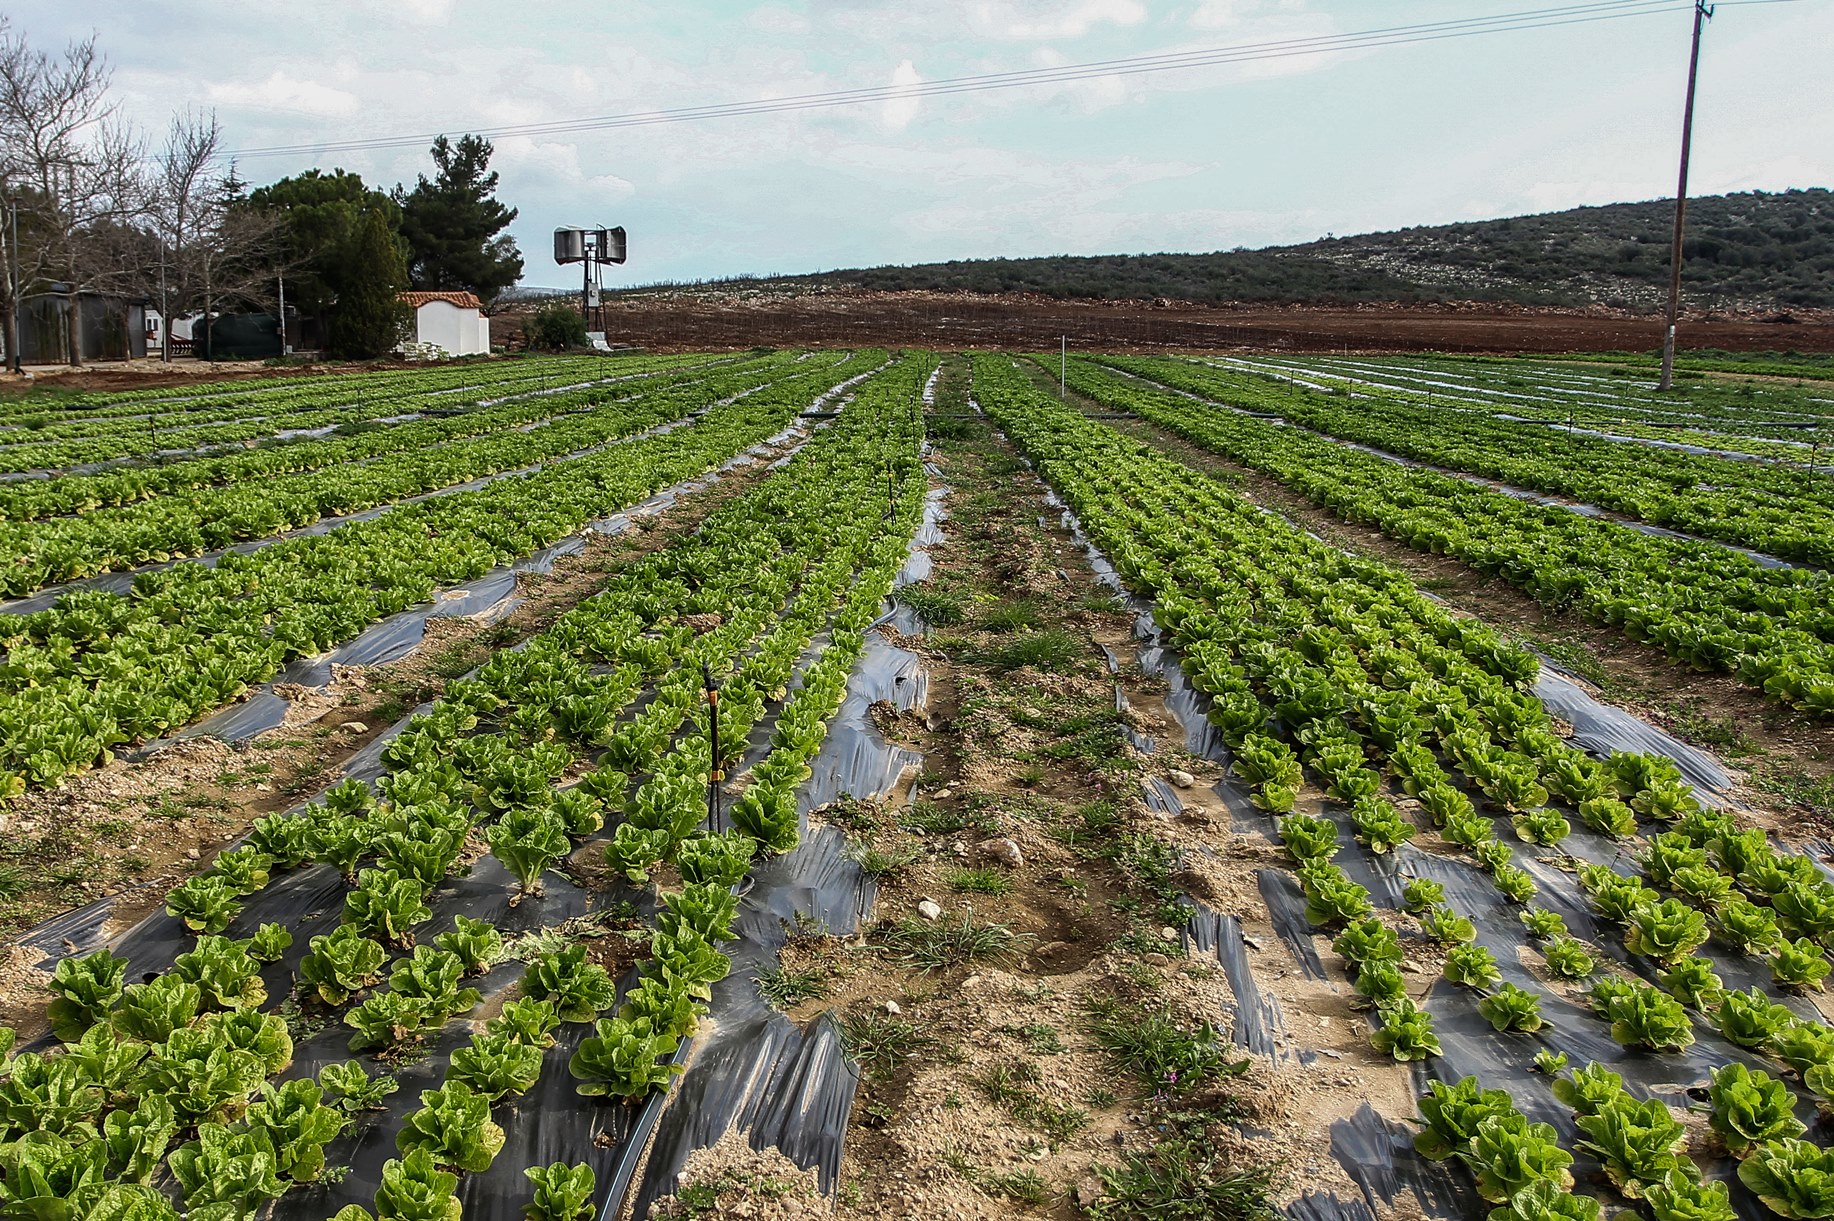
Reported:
(452, 322)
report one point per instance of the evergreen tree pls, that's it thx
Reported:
(454, 224)
(370, 317)
(322, 216)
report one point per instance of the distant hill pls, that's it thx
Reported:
(1745, 251)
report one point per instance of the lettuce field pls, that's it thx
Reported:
(888, 783)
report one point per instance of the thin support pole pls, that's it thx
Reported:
(716, 776)
(1703, 12)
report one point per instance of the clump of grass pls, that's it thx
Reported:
(1024, 1186)
(980, 881)
(1182, 1179)
(940, 944)
(1046, 650)
(1010, 616)
(879, 1043)
(1015, 1086)
(1164, 1053)
(787, 987)
(882, 862)
(936, 607)
(933, 818)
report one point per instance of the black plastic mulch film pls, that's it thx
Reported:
(748, 1066)
(1378, 1155)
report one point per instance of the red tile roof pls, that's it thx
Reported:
(461, 299)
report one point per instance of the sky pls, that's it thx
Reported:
(1263, 153)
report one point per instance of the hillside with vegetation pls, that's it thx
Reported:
(1751, 250)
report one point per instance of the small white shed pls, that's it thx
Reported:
(453, 322)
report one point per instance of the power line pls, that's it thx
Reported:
(1530, 19)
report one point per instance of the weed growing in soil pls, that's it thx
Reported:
(1722, 734)
(879, 1043)
(982, 881)
(935, 607)
(1047, 650)
(880, 862)
(930, 818)
(1018, 615)
(1812, 793)
(1015, 1086)
(1162, 1052)
(935, 946)
(1025, 1186)
(786, 987)
(1181, 1179)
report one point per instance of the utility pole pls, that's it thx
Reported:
(165, 309)
(12, 339)
(1703, 12)
(284, 350)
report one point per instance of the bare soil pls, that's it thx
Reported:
(686, 320)
(985, 1090)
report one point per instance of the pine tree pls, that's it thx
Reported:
(370, 317)
(454, 224)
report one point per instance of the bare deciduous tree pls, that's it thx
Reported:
(70, 166)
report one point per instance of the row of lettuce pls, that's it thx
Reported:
(155, 432)
(164, 1088)
(98, 669)
(407, 460)
(1781, 510)
(1703, 604)
(446, 415)
(1746, 410)
(1319, 665)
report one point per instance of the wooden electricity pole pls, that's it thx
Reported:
(1703, 12)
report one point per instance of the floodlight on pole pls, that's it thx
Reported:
(594, 249)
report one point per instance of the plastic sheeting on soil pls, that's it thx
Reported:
(1377, 1155)
(752, 1069)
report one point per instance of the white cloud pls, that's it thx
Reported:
(1043, 19)
(902, 108)
(281, 91)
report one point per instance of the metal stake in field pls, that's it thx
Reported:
(715, 776)
(1703, 12)
(1063, 366)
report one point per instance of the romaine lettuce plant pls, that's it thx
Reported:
(1543, 924)
(1447, 927)
(1541, 826)
(562, 1192)
(476, 943)
(623, 1059)
(578, 989)
(152, 1011)
(386, 906)
(1694, 983)
(1367, 941)
(1798, 964)
(226, 1173)
(352, 1088)
(454, 1128)
(527, 1020)
(1450, 1115)
(1746, 927)
(227, 976)
(1406, 1033)
(1514, 883)
(414, 1189)
(1666, 931)
(84, 990)
(1792, 1177)
(1308, 839)
(496, 1064)
(295, 1123)
(1750, 1019)
(1588, 1089)
(1683, 1196)
(1508, 1154)
(1471, 965)
(205, 904)
(1422, 893)
(1750, 1107)
(1638, 1143)
(1645, 1016)
(342, 962)
(1512, 1008)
